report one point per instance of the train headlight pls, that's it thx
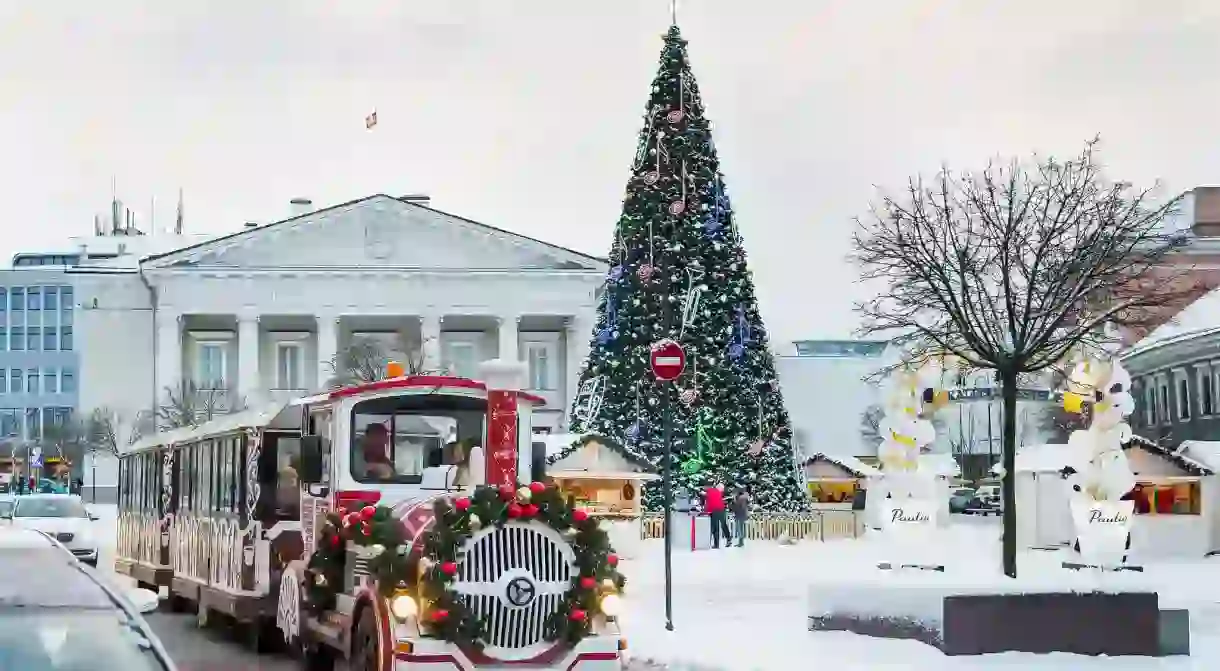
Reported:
(611, 605)
(403, 607)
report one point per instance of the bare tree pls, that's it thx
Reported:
(191, 405)
(365, 360)
(106, 431)
(870, 425)
(1014, 269)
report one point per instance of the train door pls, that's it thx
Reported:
(315, 499)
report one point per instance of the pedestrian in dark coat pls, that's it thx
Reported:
(741, 514)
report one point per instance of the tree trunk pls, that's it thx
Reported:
(1008, 443)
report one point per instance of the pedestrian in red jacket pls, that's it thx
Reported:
(713, 505)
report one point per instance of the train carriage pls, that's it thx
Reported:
(210, 519)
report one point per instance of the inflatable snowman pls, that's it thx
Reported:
(911, 399)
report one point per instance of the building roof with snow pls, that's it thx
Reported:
(1200, 318)
(851, 464)
(1053, 457)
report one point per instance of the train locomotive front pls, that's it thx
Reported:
(511, 577)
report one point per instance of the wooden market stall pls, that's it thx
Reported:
(1177, 498)
(835, 481)
(605, 478)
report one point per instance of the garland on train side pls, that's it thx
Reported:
(376, 529)
(596, 564)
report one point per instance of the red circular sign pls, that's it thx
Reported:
(667, 360)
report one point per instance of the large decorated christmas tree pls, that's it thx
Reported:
(678, 271)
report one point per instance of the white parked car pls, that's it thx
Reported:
(62, 517)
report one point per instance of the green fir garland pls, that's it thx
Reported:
(446, 615)
(457, 522)
(372, 527)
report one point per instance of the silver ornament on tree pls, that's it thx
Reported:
(646, 272)
(689, 396)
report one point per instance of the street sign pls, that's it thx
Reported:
(36, 458)
(667, 360)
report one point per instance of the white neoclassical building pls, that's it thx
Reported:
(262, 311)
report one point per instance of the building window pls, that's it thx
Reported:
(50, 298)
(17, 299)
(31, 381)
(288, 358)
(67, 381)
(65, 338)
(1204, 378)
(14, 378)
(1177, 498)
(1183, 394)
(33, 340)
(33, 298)
(17, 341)
(50, 381)
(10, 423)
(1150, 413)
(1163, 401)
(66, 299)
(212, 363)
(33, 423)
(50, 339)
(3, 300)
(541, 362)
(3, 338)
(461, 358)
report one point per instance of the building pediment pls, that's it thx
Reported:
(377, 232)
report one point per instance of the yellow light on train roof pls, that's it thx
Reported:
(395, 369)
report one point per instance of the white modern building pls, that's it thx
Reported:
(260, 314)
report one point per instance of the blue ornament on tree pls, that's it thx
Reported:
(616, 273)
(607, 333)
(633, 431)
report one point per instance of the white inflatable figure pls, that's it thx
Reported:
(1098, 474)
(912, 397)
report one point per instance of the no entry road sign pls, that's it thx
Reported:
(667, 360)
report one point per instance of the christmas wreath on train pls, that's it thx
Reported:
(594, 589)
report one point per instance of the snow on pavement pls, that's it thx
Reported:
(746, 609)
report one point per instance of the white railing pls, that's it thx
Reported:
(820, 525)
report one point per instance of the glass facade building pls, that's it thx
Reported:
(38, 358)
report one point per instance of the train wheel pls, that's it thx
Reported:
(178, 603)
(260, 635)
(366, 656)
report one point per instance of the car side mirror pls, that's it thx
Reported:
(310, 468)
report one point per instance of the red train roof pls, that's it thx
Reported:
(433, 381)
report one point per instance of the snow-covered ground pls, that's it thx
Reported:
(746, 609)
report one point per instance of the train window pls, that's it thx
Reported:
(231, 446)
(205, 482)
(394, 439)
(184, 479)
(287, 487)
(137, 477)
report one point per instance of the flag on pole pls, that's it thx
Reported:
(370, 120)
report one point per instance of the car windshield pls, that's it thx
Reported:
(36, 506)
(76, 640)
(964, 492)
(394, 439)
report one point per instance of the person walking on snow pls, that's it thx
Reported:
(713, 505)
(741, 513)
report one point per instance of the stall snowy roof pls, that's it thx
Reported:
(1053, 457)
(595, 457)
(848, 463)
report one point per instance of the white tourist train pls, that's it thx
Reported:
(226, 515)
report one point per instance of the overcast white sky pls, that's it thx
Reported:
(524, 113)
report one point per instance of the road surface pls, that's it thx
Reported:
(214, 649)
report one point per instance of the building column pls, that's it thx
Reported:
(169, 354)
(430, 342)
(509, 338)
(577, 334)
(249, 384)
(328, 346)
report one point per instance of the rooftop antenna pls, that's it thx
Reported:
(178, 221)
(673, 12)
(152, 215)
